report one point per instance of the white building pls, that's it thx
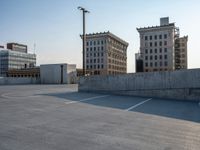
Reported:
(58, 73)
(10, 59)
(157, 47)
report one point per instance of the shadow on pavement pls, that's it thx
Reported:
(177, 109)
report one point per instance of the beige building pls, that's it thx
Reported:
(181, 53)
(105, 54)
(158, 48)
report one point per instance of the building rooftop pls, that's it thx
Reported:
(155, 27)
(108, 33)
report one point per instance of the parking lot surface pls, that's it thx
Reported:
(58, 117)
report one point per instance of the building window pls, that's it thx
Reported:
(146, 57)
(94, 60)
(146, 64)
(165, 63)
(165, 36)
(146, 38)
(94, 66)
(151, 57)
(151, 51)
(165, 56)
(98, 66)
(165, 50)
(90, 43)
(165, 43)
(102, 60)
(146, 51)
(161, 64)
(90, 66)
(160, 43)
(101, 66)
(94, 48)
(155, 50)
(160, 56)
(155, 37)
(87, 67)
(87, 43)
(87, 49)
(155, 44)
(160, 36)
(160, 50)
(156, 64)
(101, 54)
(94, 42)
(102, 42)
(156, 57)
(102, 48)
(98, 42)
(150, 44)
(90, 48)
(94, 54)
(150, 37)
(151, 64)
(90, 60)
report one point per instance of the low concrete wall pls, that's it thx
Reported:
(183, 84)
(14, 80)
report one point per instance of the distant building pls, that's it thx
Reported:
(15, 59)
(181, 53)
(161, 48)
(17, 47)
(105, 54)
(25, 72)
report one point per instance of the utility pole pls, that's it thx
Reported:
(83, 37)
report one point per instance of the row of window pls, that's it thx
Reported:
(95, 66)
(94, 60)
(94, 54)
(155, 57)
(156, 44)
(151, 64)
(155, 50)
(95, 48)
(98, 42)
(156, 37)
(147, 70)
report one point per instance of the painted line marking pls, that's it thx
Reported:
(134, 106)
(86, 99)
(6, 95)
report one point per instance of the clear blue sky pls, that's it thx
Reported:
(55, 25)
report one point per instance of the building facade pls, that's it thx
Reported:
(10, 59)
(105, 54)
(158, 48)
(17, 47)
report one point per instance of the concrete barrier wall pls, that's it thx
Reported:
(183, 84)
(14, 80)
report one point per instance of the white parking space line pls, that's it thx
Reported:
(136, 105)
(86, 99)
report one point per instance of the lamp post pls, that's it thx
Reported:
(83, 37)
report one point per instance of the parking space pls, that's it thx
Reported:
(59, 117)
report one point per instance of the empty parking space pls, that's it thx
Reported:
(58, 117)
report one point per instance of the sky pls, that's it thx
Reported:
(55, 25)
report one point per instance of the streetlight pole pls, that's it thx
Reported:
(83, 37)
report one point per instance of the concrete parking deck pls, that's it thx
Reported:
(50, 117)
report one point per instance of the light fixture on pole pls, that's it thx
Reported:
(83, 37)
